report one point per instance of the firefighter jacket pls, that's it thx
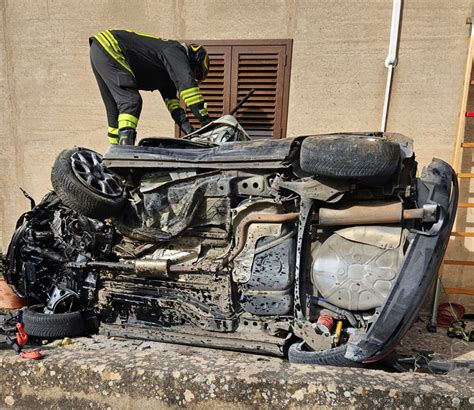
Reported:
(157, 64)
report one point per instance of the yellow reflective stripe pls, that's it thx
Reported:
(117, 57)
(203, 111)
(194, 100)
(113, 140)
(99, 38)
(104, 37)
(127, 121)
(113, 131)
(188, 97)
(189, 92)
(113, 42)
(126, 124)
(128, 117)
(113, 45)
(171, 104)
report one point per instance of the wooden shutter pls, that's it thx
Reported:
(260, 68)
(236, 68)
(216, 87)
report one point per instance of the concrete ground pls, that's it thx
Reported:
(98, 372)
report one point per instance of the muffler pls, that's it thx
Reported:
(375, 213)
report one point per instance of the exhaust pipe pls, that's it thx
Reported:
(375, 213)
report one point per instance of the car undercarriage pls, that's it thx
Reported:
(319, 247)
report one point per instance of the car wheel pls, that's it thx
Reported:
(56, 325)
(85, 185)
(349, 156)
(299, 354)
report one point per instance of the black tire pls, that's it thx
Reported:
(349, 156)
(332, 357)
(77, 195)
(57, 325)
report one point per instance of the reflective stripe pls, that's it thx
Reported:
(189, 92)
(110, 45)
(171, 104)
(188, 97)
(126, 124)
(114, 47)
(128, 117)
(127, 121)
(113, 42)
(194, 100)
(113, 131)
(106, 38)
(113, 140)
(192, 96)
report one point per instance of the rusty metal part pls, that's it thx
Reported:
(243, 227)
(318, 189)
(376, 212)
(339, 313)
(145, 267)
(242, 269)
(158, 268)
(325, 322)
(306, 331)
(372, 213)
(152, 268)
(429, 213)
(417, 213)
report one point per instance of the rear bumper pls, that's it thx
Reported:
(437, 185)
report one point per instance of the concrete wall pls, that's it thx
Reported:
(50, 99)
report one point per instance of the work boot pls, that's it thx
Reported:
(187, 128)
(127, 136)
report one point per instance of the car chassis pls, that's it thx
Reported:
(296, 246)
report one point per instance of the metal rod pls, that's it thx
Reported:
(242, 101)
(391, 60)
(433, 325)
(386, 102)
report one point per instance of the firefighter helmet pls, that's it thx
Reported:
(199, 60)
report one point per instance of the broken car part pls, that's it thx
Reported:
(267, 246)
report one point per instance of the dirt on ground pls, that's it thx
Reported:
(419, 341)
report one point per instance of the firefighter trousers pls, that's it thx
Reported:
(118, 89)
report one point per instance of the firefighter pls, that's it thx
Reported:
(124, 62)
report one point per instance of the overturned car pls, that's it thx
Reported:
(319, 247)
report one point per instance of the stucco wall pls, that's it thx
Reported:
(338, 75)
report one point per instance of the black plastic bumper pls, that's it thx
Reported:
(437, 185)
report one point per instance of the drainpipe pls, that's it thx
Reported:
(391, 60)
